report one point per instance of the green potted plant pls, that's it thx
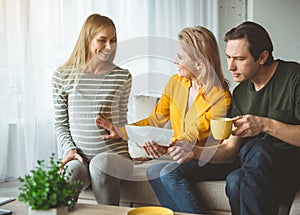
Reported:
(48, 188)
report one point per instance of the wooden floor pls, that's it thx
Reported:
(9, 189)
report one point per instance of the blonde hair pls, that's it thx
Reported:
(81, 52)
(201, 45)
(92, 25)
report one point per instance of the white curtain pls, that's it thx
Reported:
(36, 36)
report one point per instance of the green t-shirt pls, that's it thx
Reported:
(279, 99)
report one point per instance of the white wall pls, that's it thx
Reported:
(282, 21)
(231, 14)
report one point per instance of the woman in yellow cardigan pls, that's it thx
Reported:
(190, 99)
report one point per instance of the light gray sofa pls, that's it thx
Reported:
(136, 191)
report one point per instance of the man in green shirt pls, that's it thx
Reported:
(266, 111)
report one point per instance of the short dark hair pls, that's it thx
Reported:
(257, 38)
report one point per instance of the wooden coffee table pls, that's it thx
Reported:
(19, 208)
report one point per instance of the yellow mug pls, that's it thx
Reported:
(221, 128)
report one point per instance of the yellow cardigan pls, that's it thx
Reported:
(194, 124)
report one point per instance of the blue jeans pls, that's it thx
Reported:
(175, 185)
(253, 189)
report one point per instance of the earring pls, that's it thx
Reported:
(198, 66)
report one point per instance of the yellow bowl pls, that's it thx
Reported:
(150, 210)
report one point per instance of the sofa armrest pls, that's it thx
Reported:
(295, 208)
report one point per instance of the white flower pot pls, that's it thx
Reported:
(62, 210)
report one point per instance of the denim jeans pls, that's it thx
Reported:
(253, 189)
(175, 184)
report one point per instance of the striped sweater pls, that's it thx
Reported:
(77, 104)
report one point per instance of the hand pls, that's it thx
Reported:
(72, 155)
(248, 125)
(153, 150)
(181, 151)
(103, 122)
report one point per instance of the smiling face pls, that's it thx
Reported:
(240, 62)
(103, 44)
(185, 65)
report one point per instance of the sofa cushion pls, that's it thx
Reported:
(143, 105)
(212, 194)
